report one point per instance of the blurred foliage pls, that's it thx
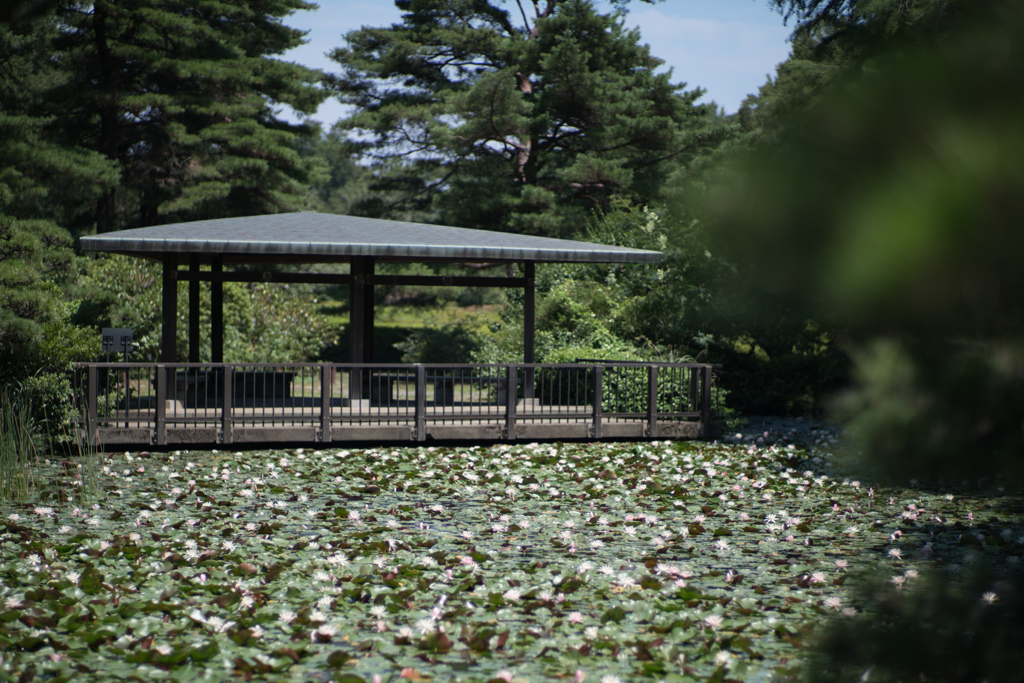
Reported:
(939, 630)
(931, 410)
(692, 305)
(884, 198)
(891, 210)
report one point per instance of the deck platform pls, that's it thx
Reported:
(217, 404)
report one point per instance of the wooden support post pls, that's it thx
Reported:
(694, 379)
(357, 334)
(217, 312)
(163, 375)
(421, 403)
(169, 331)
(194, 309)
(227, 423)
(511, 393)
(529, 329)
(598, 400)
(369, 301)
(652, 401)
(705, 401)
(326, 384)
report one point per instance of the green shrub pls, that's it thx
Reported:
(269, 323)
(456, 343)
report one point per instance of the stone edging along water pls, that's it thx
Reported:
(768, 430)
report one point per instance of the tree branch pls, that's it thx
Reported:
(526, 22)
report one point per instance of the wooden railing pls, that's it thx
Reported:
(223, 403)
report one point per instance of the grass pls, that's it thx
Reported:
(655, 561)
(18, 450)
(418, 317)
(393, 324)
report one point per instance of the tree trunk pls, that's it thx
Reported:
(106, 207)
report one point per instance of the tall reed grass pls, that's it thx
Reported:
(24, 471)
(19, 448)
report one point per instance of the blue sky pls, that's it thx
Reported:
(727, 47)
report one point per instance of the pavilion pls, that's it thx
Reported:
(318, 238)
(216, 402)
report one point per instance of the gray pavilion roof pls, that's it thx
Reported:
(312, 237)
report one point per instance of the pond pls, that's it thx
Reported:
(604, 562)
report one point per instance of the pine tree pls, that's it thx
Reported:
(42, 184)
(481, 116)
(185, 98)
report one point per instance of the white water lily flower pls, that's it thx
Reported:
(713, 621)
(219, 625)
(338, 560)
